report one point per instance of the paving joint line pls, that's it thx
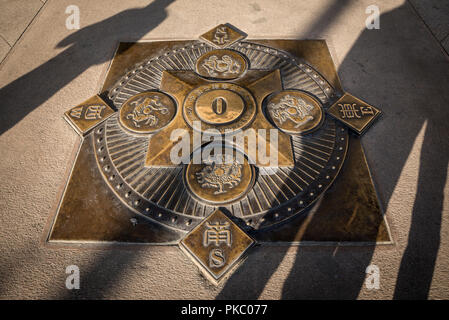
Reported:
(429, 29)
(4, 39)
(21, 35)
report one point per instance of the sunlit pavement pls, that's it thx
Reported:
(402, 67)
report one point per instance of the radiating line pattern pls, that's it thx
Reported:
(278, 193)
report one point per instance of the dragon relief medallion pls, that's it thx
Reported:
(145, 110)
(220, 172)
(226, 64)
(293, 109)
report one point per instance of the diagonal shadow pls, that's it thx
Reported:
(407, 73)
(86, 47)
(406, 79)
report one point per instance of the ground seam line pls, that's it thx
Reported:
(23, 32)
(428, 28)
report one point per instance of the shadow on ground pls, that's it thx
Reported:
(389, 61)
(86, 47)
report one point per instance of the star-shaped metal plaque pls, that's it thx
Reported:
(142, 173)
(188, 89)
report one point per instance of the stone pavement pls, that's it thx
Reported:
(15, 17)
(401, 68)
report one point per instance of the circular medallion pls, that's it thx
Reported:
(147, 112)
(221, 178)
(294, 111)
(221, 64)
(163, 195)
(221, 106)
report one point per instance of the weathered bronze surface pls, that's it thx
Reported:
(217, 244)
(88, 114)
(147, 112)
(219, 181)
(222, 36)
(353, 112)
(349, 211)
(245, 98)
(91, 212)
(294, 111)
(222, 64)
(227, 84)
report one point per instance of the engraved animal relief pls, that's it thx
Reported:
(293, 109)
(221, 35)
(221, 173)
(145, 110)
(214, 66)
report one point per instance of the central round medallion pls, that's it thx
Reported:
(222, 106)
(219, 107)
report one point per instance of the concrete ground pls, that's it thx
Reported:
(403, 68)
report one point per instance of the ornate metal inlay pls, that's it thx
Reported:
(295, 111)
(253, 119)
(88, 114)
(147, 112)
(353, 112)
(221, 64)
(217, 244)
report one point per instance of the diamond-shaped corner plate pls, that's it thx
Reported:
(217, 244)
(353, 112)
(222, 36)
(88, 114)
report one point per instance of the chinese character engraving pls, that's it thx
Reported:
(221, 35)
(76, 112)
(367, 110)
(348, 111)
(94, 112)
(217, 233)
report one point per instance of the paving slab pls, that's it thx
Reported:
(445, 44)
(435, 13)
(4, 49)
(398, 68)
(15, 16)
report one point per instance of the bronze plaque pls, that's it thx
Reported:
(353, 112)
(88, 114)
(217, 244)
(222, 133)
